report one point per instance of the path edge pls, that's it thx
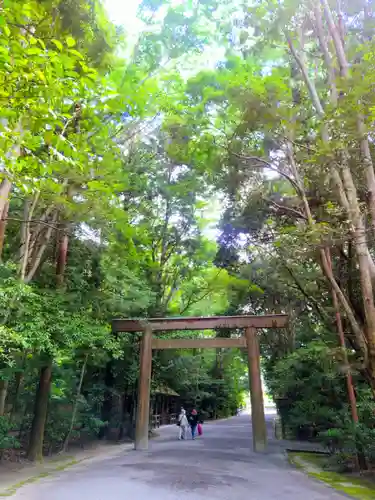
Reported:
(41, 471)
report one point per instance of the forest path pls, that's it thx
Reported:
(218, 466)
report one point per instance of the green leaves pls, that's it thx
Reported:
(70, 42)
(58, 44)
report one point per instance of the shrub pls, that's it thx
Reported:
(6, 439)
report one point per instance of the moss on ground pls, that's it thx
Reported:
(12, 489)
(313, 465)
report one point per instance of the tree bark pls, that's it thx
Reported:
(336, 35)
(340, 331)
(76, 402)
(318, 26)
(360, 243)
(3, 395)
(361, 463)
(19, 381)
(357, 330)
(369, 168)
(35, 449)
(3, 225)
(309, 83)
(326, 268)
(48, 217)
(5, 188)
(26, 234)
(38, 252)
(25, 238)
(62, 254)
(106, 411)
(354, 213)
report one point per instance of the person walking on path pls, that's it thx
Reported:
(183, 424)
(193, 421)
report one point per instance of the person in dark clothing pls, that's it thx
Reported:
(193, 421)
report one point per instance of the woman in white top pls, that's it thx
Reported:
(183, 423)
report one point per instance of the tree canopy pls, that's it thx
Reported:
(221, 163)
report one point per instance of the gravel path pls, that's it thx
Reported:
(218, 466)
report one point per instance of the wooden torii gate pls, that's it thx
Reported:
(249, 341)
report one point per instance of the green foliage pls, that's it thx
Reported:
(308, 388)
(6, 439)
(113, 161)
(104, 220)
(213, 382)
(270, 126)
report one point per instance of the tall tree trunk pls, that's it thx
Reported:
(76, 402)
(25, 238)
(38, 251)
(5, 188)
(28, 213)
(336, 33)
(18, 384)
(3, 225)
(319, 30)
(360, 243)
(35, 449)
(336, 38)
(361, 463)
(356, 328)
(106, 410)
(340, 331)
(369, 168)
(351, 204)
(62, 254)
(3, 395)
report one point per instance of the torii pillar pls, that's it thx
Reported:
(249, 341)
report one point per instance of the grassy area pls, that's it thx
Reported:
(315, 466)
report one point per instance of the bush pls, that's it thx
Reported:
(6, 439)
(59, 421)
(345, 442)
(308, 389)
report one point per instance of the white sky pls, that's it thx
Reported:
(124, 12)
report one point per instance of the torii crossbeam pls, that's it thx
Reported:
(250, 340)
